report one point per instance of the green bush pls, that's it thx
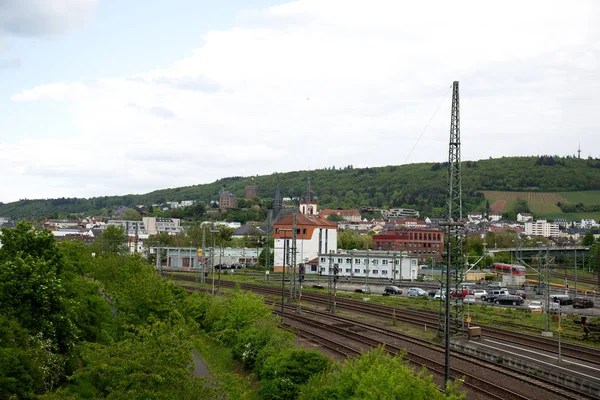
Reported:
(283, 373)
(257, 343)
(234, 313)
(375, 375)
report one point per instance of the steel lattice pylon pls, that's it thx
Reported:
(454, 232)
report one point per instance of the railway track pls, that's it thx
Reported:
(480, 378)
(571, 278)
(535, 387)
(582, 353)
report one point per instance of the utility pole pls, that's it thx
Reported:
(576, 273)
(268, 244)
(212, 256)
(293, 259)
(203, 271)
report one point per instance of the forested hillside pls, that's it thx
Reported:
(421, 186)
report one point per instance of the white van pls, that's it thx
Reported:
(499, 292)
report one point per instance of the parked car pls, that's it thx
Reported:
(480, 294)
(563, 299)
(432, 293)
(392, 290)
(535, 305)
(554, 307)
(416, 292)
(470, 299)
(439, 295)
(521, 293)
(494, 285)
(363, 289)
(580, 302)
(508, 299)
(461, 293)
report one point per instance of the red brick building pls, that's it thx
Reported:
(419, 242)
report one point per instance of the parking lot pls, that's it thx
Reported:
(377, 289)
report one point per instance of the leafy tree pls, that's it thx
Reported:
(113, 240)
(283, 373)
(131, 215)
(362, 379)
(24, 240)
(335, 217)
(151, 362)
(588, 239)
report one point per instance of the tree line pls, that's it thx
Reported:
(421, 186)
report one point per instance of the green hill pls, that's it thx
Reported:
(421, 186)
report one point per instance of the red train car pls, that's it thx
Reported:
(512, 269)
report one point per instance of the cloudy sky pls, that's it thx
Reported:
(103, 97)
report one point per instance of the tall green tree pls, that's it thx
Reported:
(588, 239)
(113, 240)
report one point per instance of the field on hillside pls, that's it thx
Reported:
(589, 197)
(539, 203)
(544, 204)
(544, 208)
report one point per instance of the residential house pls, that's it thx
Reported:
(524, 217)
(348, 215)
(475, 217)
(495, 217)
(588, 223)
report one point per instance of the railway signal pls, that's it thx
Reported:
(301, 271)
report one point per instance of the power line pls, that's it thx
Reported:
(427, 126)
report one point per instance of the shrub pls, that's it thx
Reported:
(283, 373)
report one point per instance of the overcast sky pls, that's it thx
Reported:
(104, 97)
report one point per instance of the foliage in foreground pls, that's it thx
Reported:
(375, 375)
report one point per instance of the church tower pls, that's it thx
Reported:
(308, 206)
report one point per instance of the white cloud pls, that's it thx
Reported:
(321, 83)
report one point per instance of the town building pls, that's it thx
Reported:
(475, 217)
(395, 213)
(63, 223)
(227, 200)
(524, 217)
(422, 243)
(314, 234)
(495, 217)
(156, 225)
(388, 265)
(588, 223)
(251, 191)
(347, 215)
(541, 227)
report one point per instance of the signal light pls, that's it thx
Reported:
(301, 271)
(336, 271)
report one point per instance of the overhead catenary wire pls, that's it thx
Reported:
(427, 126)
